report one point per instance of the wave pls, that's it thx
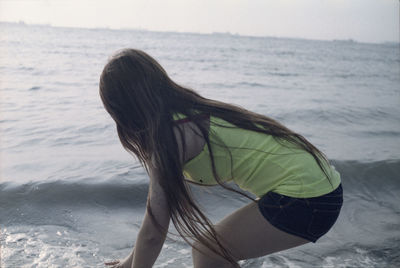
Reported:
(110, 193)
(282, 74)
(356, 176)
(235, 85)
(377, 182)
(343, 115)
(34, 88)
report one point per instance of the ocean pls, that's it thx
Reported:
(70, 196)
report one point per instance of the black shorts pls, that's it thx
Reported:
(309, 218)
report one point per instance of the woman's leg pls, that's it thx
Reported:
(245, 234)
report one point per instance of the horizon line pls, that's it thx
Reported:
(228, 33)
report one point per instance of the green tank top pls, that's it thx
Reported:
(259, 163)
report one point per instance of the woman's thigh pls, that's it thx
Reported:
(247, 234)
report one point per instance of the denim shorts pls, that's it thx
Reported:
(309, 218)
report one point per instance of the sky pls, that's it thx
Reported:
(361, 20)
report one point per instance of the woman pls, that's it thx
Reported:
(180, 136)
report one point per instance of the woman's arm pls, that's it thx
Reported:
(150, 238)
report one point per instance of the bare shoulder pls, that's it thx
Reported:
(190, 139)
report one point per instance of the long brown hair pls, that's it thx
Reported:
(141, 98)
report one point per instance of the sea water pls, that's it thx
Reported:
(70, 196)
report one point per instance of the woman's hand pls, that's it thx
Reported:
(126, 263)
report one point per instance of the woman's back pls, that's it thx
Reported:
(258, 163)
